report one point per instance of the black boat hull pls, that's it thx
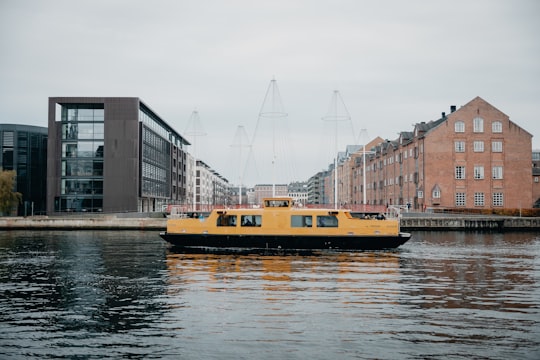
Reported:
(289, 242)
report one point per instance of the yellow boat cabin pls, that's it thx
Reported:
(279, 224)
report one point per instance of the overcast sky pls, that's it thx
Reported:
(395, 63)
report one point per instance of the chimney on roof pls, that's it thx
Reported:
(452, 108)
(443, 114)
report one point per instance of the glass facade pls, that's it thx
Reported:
(24, 149)
(156, 157)
(82, 158)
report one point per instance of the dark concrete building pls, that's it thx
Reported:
(24, 149)
(112, 154)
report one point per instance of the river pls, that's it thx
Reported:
(124, 294)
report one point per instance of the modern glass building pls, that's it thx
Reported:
(112, 155)
(24, 149)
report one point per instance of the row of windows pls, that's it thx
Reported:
(497, 199)
(155, 181)
(296, 220)
(478, 126)
(459, 173)
(478, 146)
(478, 172)
(82, 149)
(153, 188)
(83, 112)
(79, 204)
(460, 198)
(83, 131)
(398, 157)
(153, 123)
(81, 186)
(82, 167)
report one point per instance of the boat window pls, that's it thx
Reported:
(226, 220)
(276, 203)
(301, 220)
(251, 220)
(327, 221)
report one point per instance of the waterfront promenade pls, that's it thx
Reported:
(158, 222)
(87, 222)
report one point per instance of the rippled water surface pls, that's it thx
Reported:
(83, 294)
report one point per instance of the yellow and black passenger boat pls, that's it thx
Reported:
(279, 225)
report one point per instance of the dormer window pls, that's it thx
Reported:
(436, 192)
(436, 195)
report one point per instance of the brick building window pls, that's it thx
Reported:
(497, 172)
(496, 127)
(478, 125)
(478, 199)
(498, 199)
(459, 127)
(436, 195)
(460, 172)
(496, 146)
(460, 199)
(478, 172)
(478, 146)
(459, 146)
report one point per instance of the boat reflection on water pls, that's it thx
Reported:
(294, 271)
(438, 270)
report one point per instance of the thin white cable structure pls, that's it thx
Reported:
(271, 108)
(337, 112)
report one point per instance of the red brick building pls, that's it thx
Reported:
(473, 157)
(536, 178)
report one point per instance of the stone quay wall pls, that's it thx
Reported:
(82, 223)
(472, 223)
